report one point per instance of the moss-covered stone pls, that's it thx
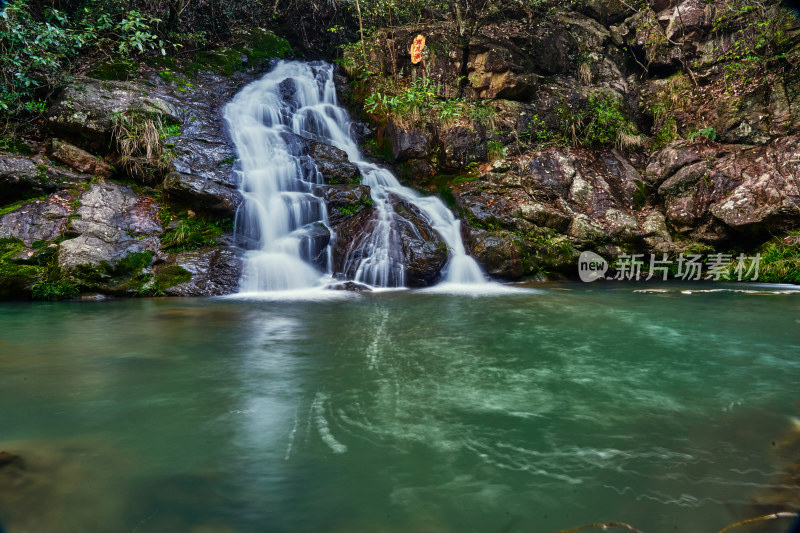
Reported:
(129, 276)
(254, 47)
(169, 276)
(116, 69)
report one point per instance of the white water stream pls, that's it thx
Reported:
(280, 219)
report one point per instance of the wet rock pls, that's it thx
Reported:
(212, 271)
(39, 220)
(314, 245)
(414, 244)
(351, 286)
(205, 194)
(21, 176)
(407, 142)
(499, 253)
(18, 174)
(333, 163)
(343, 200)
(202, 171)
(86, 108)
(113, 223)
(80, 160)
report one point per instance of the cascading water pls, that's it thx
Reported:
(281, 220)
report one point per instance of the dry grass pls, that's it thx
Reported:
(137, 136)
(628, 141)
(585, 72)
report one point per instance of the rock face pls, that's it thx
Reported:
(212, 271)
(415, 244)
(20, 176)
(113, 223)
(85, 110)
(704, 156)
(40, 220)
(203, 155)
(730, 188)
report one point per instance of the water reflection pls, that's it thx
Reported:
(399, 412)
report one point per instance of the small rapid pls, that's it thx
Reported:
(282, 223)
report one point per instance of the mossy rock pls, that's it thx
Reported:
(127, 277)
(117, 69)
(256, 46)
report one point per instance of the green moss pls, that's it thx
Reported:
(117, 69)
(666, 134)
(19, 203)
(23, 275)
(9, 142)
(171, 77)
(163, 61)
(254, 47)
(127, 276)
(167, 277)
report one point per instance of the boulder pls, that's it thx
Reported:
(417, 252)
(38, 220)
(499, 253)
(112, 223)
(22, 176)
(85, 111)
(752, 189)
(211, 271)
(332, 163)
(203, 193)
(80, 160)
(407, 142)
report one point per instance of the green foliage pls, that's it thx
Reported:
(483, 112)
(495, 150)
(33, 53)
(598, 121)
(54, 290)
(640, 194)
(138, 134)
(190, 234)
(780, 260)
(666, 134)
(709, 133)
(758, 36)
(350, 210)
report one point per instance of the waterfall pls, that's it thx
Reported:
(282, 223)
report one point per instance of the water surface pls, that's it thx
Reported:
(398, 411)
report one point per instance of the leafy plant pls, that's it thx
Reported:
(495, 150)
(708, 132)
